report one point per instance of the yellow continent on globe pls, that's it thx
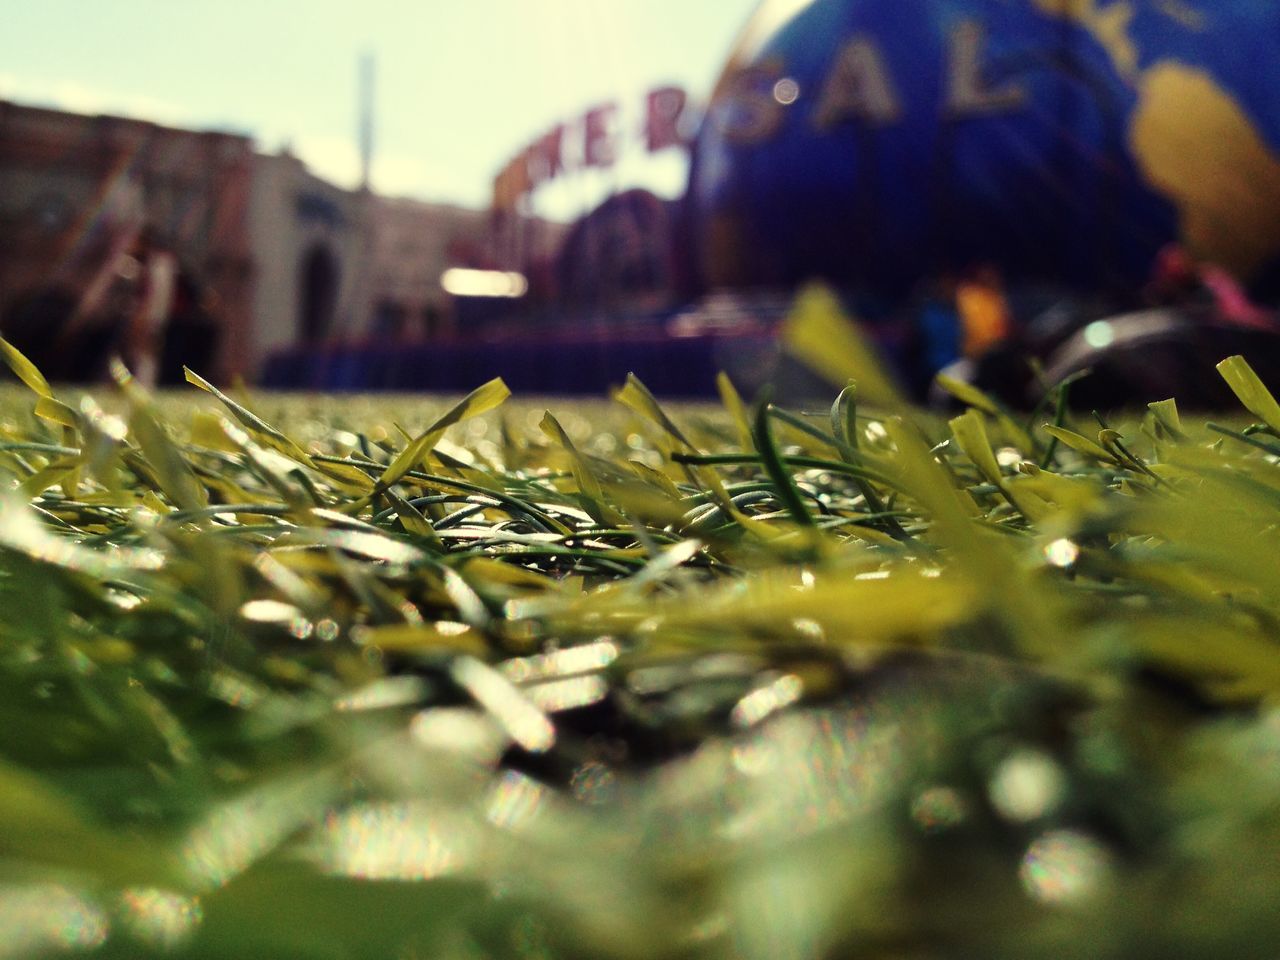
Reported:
(1108, 25)
(1193, 142)
(1199, 148)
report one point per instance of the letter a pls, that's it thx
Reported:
(858, 87)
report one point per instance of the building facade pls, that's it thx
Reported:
(311, 247)
(82, 200)
(268, 257)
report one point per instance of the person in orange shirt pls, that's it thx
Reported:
(984, 312)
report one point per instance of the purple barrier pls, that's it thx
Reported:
(669, 366)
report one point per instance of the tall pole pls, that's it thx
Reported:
(361, 300)
(366, 118)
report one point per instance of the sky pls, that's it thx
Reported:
(460, 87)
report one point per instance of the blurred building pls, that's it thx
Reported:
(82, 198)
(310, 241)
(413, 243)
(269, 257)
(620, 261)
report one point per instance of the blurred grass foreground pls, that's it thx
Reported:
(300, 678)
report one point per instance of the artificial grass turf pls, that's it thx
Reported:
(691, 683)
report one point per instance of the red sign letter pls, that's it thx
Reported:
(664, 110)
(598, 148)
(546, 160)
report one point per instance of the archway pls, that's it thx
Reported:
(37, 324)
(318, 293)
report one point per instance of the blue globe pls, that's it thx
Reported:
(873, 142)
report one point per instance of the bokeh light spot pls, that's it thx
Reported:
(938, 808)
(1027, 785)
(1062, 552)
(786, 91)
(1099, 334)
(1063, 866)
(392, 841)
(594, 783)
(160, 918)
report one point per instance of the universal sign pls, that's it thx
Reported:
(859, 86)
(595, 139)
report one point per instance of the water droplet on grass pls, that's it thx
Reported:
(759, 703)
(938, 808)
(1062, 552)
(593, 783)
(160, 918)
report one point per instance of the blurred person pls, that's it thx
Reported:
(142, 338)
(191, 336)
(1178, 280)
(938, 323)
(93, 331)
(983, 310)
(1175, 280)
(1232, 302)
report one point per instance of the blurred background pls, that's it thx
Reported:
(311, 196)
